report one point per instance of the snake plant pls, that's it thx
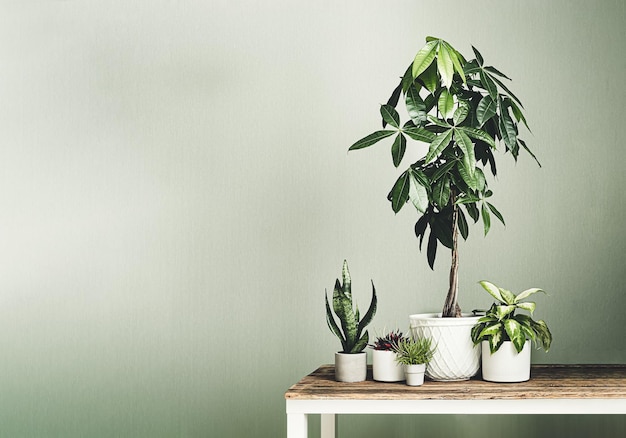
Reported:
(461, 109)
(353, 338)
(501, 323)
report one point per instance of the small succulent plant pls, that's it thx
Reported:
(388, 341)
(353, 339)
(414, 351)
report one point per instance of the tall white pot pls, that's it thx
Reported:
(456, 357)
(506, 364)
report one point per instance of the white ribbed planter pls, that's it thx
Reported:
(350, 367)
(506, 364)
(385, 367)
(456, 357)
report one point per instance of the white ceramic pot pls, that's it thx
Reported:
(385, 366)
(350, 367)
(506, 364)
(414, 374)
(456, 357)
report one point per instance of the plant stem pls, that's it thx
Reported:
(451, 307)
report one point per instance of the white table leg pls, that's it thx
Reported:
(297, 425)
(327, 426)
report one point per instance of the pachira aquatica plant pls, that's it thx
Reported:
(462, 109)
(353, 338)
(502, 323)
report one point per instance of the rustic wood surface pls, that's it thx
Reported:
(547, 381)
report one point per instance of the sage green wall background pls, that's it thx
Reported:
(176, 195)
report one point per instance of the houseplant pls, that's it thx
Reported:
(414, 354)
(384, 365)
(461, 109)
(505, 335)
(351, 361)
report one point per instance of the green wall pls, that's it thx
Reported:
(177, 194)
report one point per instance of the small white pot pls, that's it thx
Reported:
(385, 366)
(414, 374)
(456, 357)
(506, 364)
(350, 367)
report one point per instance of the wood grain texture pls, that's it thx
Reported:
(547, 381)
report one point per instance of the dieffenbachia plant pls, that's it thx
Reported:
(501, 323)
(462, 109)
(353, 339)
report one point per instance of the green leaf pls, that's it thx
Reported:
(371, 139)
(444, 169)
(504, 87)
(456, 62)
(415, 106)
(418, 194)
(495, 211)
(497, 72)
(523, 143)
(429, 78)
(332, 324)
(508, 296)
(479, 134)
(371, 311)
(472, 210)
(467, 147)
(528, 306)
(513, 329)
(488, 84)
(438, 145)
(517, 112)
(492, 289)
(360, 344)
(438, 122)
(502, 311)
(390, 115)
(543, 333)
(462, 225)
(479, 57)
(445, 104)
(441, 192)
(461, 112)
(419, 134)
(424, 58)
(400, 192)
(343, 308)
(445, 66)
(495, 341)
(486, 109)
(490, 330)
(469, 179)
(507, 129)
(431, 250)
(528, 292)
(398, 148)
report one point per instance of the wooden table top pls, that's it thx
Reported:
(547, 381)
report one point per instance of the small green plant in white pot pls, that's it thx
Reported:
(384, 365)
(414, 354)
(351, 361)
(505, 335)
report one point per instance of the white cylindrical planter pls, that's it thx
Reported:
(506, 364)
(456, 357)
(385, 366)
(414, 374)
(350, 367)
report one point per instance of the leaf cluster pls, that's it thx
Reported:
(388, 341)
(411, 351)
(501, 323)
(462, 110)
(353, 339)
